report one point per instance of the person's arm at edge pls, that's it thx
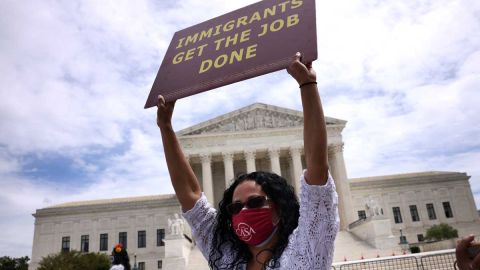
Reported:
(314, 130)
(183, 178)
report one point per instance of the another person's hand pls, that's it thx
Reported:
(301, 72)
(464, 261)
(164, 112)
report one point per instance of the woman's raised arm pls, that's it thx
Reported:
(183, 179)
(314, 130)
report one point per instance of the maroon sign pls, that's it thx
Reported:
(242, 44)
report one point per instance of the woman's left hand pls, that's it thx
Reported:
(302, 73)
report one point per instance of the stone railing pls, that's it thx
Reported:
(357, 223)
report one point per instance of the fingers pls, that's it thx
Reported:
(296, 61)
(476, 262)
(461, 250)
(164, 104)
(297, 56)
(164, 112)
(299, 71)
(465, 242)
(161, 101)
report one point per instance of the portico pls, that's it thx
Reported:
(260, 137)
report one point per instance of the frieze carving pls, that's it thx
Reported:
(252, 120)
(219, 140)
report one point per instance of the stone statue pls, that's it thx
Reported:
(259, 120)
(373, 209)
(176, 225)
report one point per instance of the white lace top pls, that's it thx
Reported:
(310, 245)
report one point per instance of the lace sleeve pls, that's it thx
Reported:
(317, 226)
(201, 219)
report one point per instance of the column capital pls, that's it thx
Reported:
(250, 153)
(206, 157)
(227, 156)
(336, 148)
(273, 152)
(295, 150)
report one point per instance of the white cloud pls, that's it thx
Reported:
(141, 170)
(394, 134)
(393, 46)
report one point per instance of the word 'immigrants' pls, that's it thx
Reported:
(241, 21)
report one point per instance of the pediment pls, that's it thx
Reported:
(257, 116)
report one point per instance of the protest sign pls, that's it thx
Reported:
(248, 42)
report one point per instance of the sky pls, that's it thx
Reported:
(75, 76)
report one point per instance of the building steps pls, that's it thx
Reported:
(349, 247)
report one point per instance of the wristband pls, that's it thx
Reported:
(307, 83)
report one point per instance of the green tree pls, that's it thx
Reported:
(441, 232)
(75, 260)
(7, 263)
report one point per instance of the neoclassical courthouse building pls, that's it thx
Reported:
(374, 211)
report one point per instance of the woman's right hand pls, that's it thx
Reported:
(164, 112)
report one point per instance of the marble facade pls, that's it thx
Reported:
(411, 193)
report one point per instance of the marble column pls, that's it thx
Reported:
(207, 176)
(228, 165)
(339, 174)
(250, 158)
(296, 156)
(274, 155)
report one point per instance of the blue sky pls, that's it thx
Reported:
(75, 76)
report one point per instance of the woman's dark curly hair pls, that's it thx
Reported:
(286, 204)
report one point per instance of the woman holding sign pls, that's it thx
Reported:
(259, 223)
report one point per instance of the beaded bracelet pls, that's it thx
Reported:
(307, 83)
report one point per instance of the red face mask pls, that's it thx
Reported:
(253, 226)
